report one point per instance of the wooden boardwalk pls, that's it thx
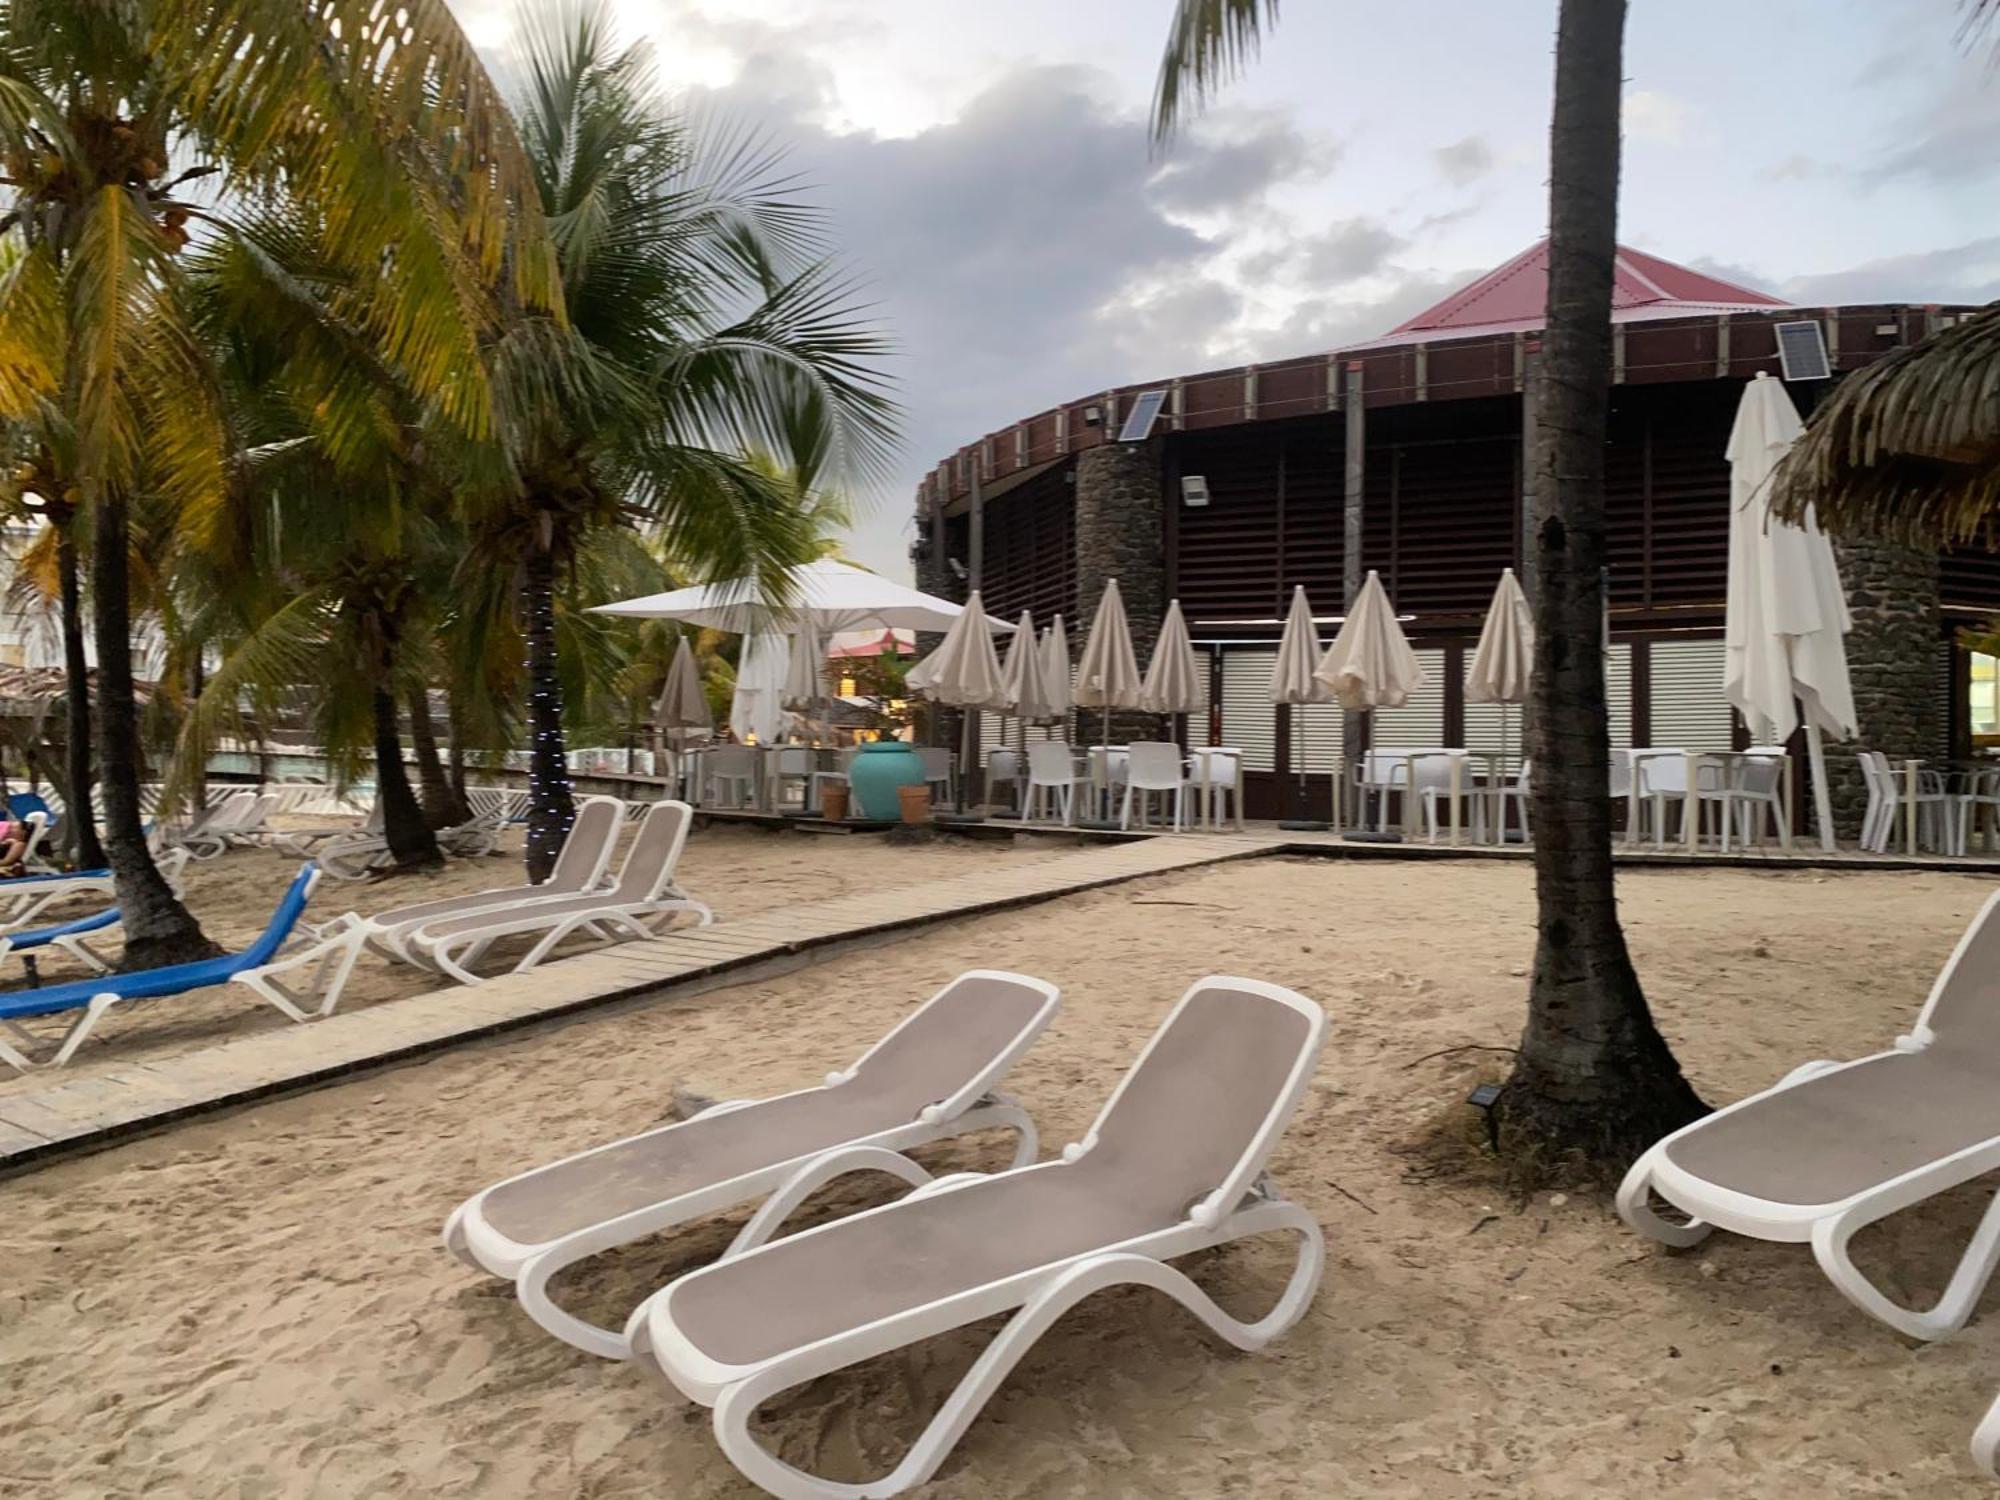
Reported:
(61, 1115)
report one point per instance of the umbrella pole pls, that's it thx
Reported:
(969, 742)
(1822, 797)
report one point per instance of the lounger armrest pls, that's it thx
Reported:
(813, 1176)
(326, 964)
(723, 1107)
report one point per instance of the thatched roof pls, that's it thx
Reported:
(1909, 447)
(29, 692)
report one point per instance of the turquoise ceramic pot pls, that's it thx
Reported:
(877, 771)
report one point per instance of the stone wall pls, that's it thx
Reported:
(1121, 533)
(1892, 656)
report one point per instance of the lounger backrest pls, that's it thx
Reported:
(283, 920)
(1202, 1108)
(656, 849)
(587, 849)
(1963, 1011)
(958, 1044)
(232, 813)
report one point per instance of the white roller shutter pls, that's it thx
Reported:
(1418, 724)
(1249, 717)
(1688, 709)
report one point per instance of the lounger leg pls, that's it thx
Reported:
(1636, 1209)
(1951, 1310)
(531, 1286)
(1986, 1441)
(739, 1402)
(20, 1059)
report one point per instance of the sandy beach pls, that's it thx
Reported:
(736, 870)
(258, 1306)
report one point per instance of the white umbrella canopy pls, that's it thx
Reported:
(964, 671)
(1787, 612)
(1056, 670)
(1292, 679)
(1370, 663)
(805, 671)
(1027, 696)
(830, 595)
(682, 704)
(1506, 651)
(1173, 682)
(1107, 675)
(757, 708)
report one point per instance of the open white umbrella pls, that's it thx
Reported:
(757, 709)
(1292, 682)
(1787, 612)
(1505, 655)
(964, 672)
(1173, 682)
(682, 705)
(828, 594)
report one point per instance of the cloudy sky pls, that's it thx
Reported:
(988, 171)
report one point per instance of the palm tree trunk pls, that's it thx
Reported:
(442, 809)
(551, 807)
(80, 841)
(198, 778)
(1594, 1081)
(158, 929)
(411, 841)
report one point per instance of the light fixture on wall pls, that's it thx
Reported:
(1194, 490)
(1093, 416)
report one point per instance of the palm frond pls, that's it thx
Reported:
(1909, 447)
(1208, 43)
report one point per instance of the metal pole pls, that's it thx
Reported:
(1353, 539)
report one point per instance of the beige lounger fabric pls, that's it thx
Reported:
(1183, 1123)
(596, 824)
(1825, 1139)
(1830, 1137)
(941, 1050)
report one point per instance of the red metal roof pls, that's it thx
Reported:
(1513, 296)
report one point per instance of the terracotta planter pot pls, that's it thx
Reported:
(833, 803)
(916, 802)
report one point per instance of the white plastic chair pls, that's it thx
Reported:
(1430, 779)
(838, 776)
(1380, 774)
(1982, 789)
(729, 776)
(940, 773)
(1888, 795)
(1153, 768)
(1516, 794)
(794, 763)
(1743, 799)
(1006, 768)
(1052, 782)
(1221, 768)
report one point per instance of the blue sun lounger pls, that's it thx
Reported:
(68, 936)
(329, 960)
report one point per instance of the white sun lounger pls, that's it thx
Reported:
(642, 901)
(1835, 1146)
(1174, 1164)
(930, 1078)
(579, 868)
(22, 901)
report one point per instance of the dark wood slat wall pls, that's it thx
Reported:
(1273, 519)
(1030, 560)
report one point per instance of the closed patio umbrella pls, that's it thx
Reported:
(805, 677)
(1173, 682)
(757, 710)
(964, 672)
(1505, 654)
(1022, 682)
(1292, 682)
(1107, 674)
(1370, 664)
(1787, 613)
(1056, 672)
(682, 705)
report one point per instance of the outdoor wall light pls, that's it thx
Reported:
(1483, 1099)
(1093, 416)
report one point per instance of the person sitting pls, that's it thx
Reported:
(13, 847)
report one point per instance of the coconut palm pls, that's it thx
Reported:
(382, 117)
(1593, 1078)
(704, 323)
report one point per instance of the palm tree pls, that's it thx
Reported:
(382, 117)
(705, 322)
(1593, 1079)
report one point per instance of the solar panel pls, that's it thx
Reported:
(1802, 351)
(1139, 421)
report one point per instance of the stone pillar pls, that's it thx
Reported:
(937, 725)
(1892, 656)
(1121, 533)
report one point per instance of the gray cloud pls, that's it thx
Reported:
(1948, 144)
(1962, 273)
(1349, 250)
(1229, 160)
(1464, 162)
(1333, 322)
